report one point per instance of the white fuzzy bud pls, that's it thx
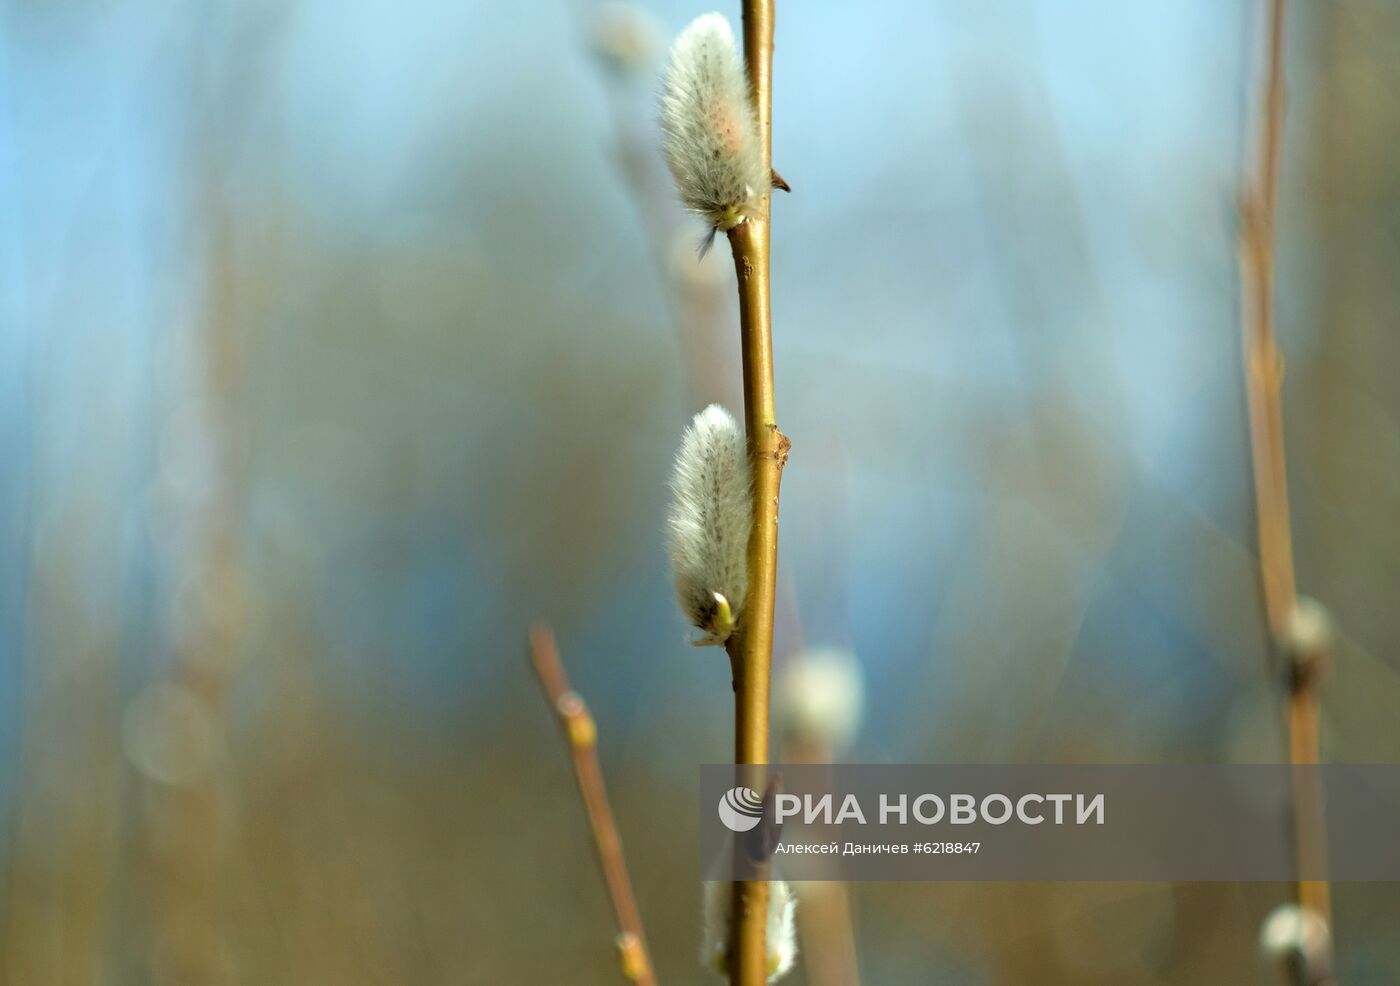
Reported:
(780, 935)
(711, 136)
(820, 694)
(709, 523)
(1309, 641)
(1298, 938)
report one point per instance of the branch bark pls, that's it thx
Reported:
(751, 648)
(1263, 366)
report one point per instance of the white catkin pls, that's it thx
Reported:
(1300, 938)
(1310, 631)
(780, 934)
(711, 136)
(709, 523)
(820, 695)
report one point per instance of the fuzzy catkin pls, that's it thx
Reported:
(711, 136)
(711, 514)
(1299, 938)
(780, 933)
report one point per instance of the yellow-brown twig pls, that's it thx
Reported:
(1263, 367)
(582, 734)
(751, 648)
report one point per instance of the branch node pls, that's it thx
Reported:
(578, 721)
(782, 445)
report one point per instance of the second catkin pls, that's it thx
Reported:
(710, 518)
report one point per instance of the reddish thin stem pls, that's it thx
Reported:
(581, 734)
(1263, 365)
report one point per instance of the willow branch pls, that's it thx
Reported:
(582, 734)
(1263, 364)
(751, 648)
(1263, 361)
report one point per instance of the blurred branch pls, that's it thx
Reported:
(828, 943)
(582, 736)
(190, 836)
(1263, 361)
(1263, 368)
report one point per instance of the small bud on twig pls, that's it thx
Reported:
(632, 955)
(1298, 938)
(709, 523)
(711, 136)
(578, 721)
(1309, 642)
(780, 934)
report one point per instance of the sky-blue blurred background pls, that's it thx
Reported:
(339, 342)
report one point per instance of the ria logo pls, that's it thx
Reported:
(740, 809)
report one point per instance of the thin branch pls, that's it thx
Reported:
(1263, 361)
(582, 735)
(1263, 364)
(751, 648)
